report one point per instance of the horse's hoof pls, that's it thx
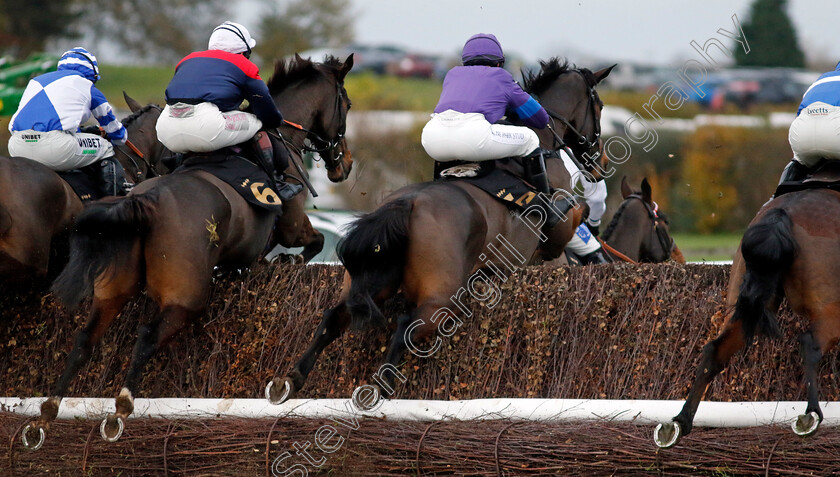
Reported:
(806, 424)
(667, 434)
(278, 393)
(42, 436)
(366, 397)
(112, 428)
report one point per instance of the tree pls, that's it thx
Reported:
(771, 36)
(304, 24)
(27, 25)
(160, 30)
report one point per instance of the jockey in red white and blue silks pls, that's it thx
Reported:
(474, 97)
(202, 100)
(45, 127)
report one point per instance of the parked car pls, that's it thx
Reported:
(413, 65)
(333, 224)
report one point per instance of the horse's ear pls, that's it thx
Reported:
(625, 188)
(601, 74)
(298, 58)
(346, 67)
(132, 104)
(647, 193)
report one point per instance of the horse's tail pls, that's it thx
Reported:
(374, 254)
(768, 248)
(102, 239)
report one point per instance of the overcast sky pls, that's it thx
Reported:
(657, 31)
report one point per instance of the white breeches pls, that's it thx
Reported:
(595, 193)
(451, 136)
(203, 128)
(815, 134)
(60, 150)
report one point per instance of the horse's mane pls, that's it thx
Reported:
(136, 114)
(614, 222)
(550, 70)
(297, 69)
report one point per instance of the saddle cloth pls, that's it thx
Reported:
(499, 183)
(249, 180)
(82, 183)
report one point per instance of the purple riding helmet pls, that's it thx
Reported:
(482, 48)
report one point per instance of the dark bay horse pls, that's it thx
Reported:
(325, 136)
(639, 229)
(432, 240)
(789, 250)
(165, 238)
(37, 206)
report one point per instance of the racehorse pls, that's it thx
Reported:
(638, 231)
(166, 237)
(325, 136)
(429, 240)
(788, 251)
(37, 206)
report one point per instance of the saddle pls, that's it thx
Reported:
(84, 183)
(825, 176)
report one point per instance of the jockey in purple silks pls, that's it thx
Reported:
(464, 124)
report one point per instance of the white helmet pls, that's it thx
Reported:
(231, 37)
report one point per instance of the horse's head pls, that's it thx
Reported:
(312, 98)
(142, 153)
(568, 95)
(639, 229)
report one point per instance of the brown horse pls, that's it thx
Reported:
(37, 206)
(432, 240)
(788, 251)
(166, 237)
(638, 230)
(325, 137)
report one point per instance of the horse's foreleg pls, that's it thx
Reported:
(152, 336)
(716, 355)
(333, 324)
(293, 229)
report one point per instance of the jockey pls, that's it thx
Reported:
(813, 135)
(46, 125)
(475, 96)
(203, 99)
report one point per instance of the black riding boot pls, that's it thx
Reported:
(595, 258)
(265, 153)
(112, 179)
(535, 168)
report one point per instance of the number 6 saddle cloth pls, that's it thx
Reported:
(248, 179)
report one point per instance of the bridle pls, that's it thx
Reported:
(325, 148)
(583, 143)
(133, 154)
(665, 241)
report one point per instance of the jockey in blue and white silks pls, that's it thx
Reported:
(45, 127)
(814, 134)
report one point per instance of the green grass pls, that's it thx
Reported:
(145, 84)
(697, 247)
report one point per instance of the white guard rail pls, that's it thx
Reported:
(709, 414)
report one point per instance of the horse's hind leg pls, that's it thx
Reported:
(333, 324)
(716, 355)
(152, 336)
(110, 296)
(813, 345)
